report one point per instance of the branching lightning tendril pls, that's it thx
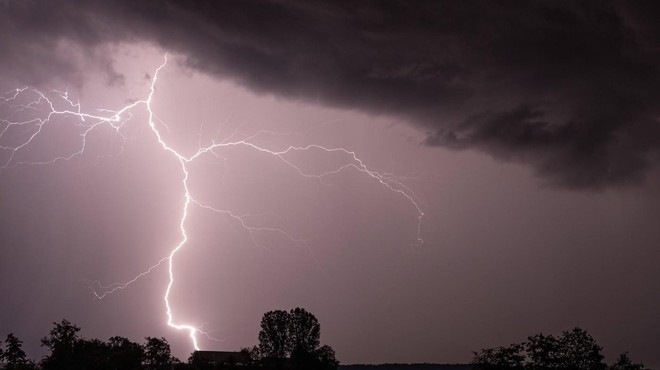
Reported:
(116, 121)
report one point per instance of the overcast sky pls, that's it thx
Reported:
(526, 133)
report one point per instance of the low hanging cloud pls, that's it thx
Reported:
(569, 87)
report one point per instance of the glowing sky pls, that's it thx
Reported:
(549, 222)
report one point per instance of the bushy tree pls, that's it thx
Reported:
(326, 358)
(274, 338)
(157, 354)
(304, 331)
(61, 341)
(124, 354)
(295, 335)
(543, 352)
(63, 335)
(91, 354)
(580, 351)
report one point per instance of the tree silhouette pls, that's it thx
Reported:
(289, 340)
(274, 334)
(13, 356)
(501, 357)
(69, 351)
(157, 354)
(61, 341)
(293, 335)
(91, 354)
(326, 358)
(624, 363)
(304, 331)
(63, 335)
(575, 349)
(544, 352)
(580, 351)
(253, 355)
(124, 354)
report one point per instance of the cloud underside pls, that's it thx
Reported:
(570, 88)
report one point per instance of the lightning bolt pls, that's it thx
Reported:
(33, 127)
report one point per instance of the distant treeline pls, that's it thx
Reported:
(574, 350)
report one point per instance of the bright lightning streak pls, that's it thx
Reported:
(116, 121)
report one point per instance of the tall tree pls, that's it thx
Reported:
(274, 334)
(13, 356)
(295, 335)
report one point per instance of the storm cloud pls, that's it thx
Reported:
(567, 87)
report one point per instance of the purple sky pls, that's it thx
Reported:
(528, 136)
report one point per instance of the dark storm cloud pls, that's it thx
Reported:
(568, 87)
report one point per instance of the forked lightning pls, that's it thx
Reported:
(116, 120)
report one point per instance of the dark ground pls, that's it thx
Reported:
(405, 367)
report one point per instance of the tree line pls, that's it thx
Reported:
(575, 350)
(287, 340)
(68, 350)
